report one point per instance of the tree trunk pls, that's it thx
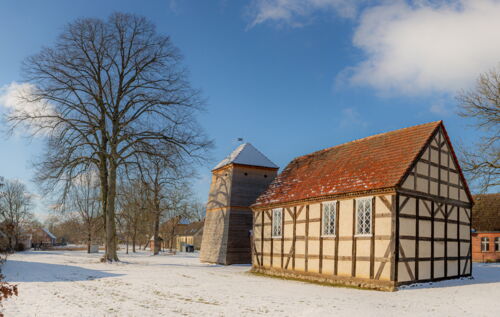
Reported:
(111, 254)
(156, 225)
(103, 176)
(127, 243)
(89, 242)
(133, 240)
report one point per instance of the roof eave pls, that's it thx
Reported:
(323, 198)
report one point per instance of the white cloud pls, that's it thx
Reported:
(17, 99)
(427, 47)
(296, 12)
(350, 117)
(410, 47)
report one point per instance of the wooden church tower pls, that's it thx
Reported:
(237, 181)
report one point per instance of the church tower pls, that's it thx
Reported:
(237, 181)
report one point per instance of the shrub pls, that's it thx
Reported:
(20, 247)
(6, 289)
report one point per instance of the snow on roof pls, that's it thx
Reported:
(49, 233)
(246, 154)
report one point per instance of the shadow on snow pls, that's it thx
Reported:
(24, 271)
(482, 273)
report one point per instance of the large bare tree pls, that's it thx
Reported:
(482, 105)
(107, 94)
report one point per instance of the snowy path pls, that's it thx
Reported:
(75, 284)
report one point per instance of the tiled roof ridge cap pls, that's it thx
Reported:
(366, 138)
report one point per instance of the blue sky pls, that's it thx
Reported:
(289, 76)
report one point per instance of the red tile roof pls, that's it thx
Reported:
(376, 162)
(486, 212)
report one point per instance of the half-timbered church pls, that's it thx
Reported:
(378, 212)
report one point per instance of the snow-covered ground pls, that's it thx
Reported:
(73, 283)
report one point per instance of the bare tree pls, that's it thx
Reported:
(15, 204)
(176, 210)
(83, 199)
(162, 178)
(108, 93)
(482, 105)
(134, 213)
(197, 210)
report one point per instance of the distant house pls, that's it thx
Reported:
(191, 234)
(169, 231)
(43, 236)
(486, 228)
(26, 240)
(152, 243)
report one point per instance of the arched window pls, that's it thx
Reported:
(485, 244)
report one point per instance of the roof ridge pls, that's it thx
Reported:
(260, 152)
(367, 138)
(241, 147)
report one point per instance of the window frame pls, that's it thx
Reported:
(335, 215)
(485, 241)
(274, 223)
(358, 200)
(497, 244)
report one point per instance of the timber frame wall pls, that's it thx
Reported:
(420, 230)
(304, 252)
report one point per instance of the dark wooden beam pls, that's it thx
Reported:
(337, 236)
(307, 239)
(353, 251)
(443, 220)
(262, 237)
(417, 241)
(403, 259)
(433, 179)
(394, 236)
(320, 269)
(428, 161)
(432, 240)
(446, 241)
(372, 240)
(442, 200)
(294, 234)
(458, 238)
(272, 240)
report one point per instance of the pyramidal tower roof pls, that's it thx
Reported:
(246, 154)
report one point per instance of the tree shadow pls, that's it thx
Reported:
(482, 273)
(27, 271)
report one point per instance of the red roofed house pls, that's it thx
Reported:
(486, 228)
(378, 212)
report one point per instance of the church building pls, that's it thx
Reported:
(379, 212)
